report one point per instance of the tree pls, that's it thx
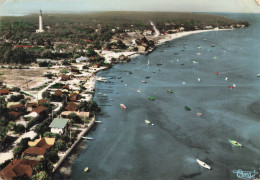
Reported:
(19, 128)
(91, 52)
(61, 145)
(75, 118)
(52, 156)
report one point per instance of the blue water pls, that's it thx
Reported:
(124, 147)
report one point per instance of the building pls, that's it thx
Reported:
(38, 60)
(40, 110)
(59, 125)
(74, 96)
(5, 91)
(81, 59)
(71, 106)
(18, 168)
(40, 30)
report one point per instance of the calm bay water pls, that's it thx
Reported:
(124, 147)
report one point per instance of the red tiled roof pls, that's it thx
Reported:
(14, 113)
(5, 91)
(41, 101)
(18, 167)
(25, 46)
(17, 106)
(35, 151)
(73, 96)
(71, 106)
(58, 93)
(65, 77)
(39, 109)
(66, 87)
(43, 144)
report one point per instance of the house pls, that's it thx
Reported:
(65, 78)
(38, 148)
(65, 114)
(18, 107)
(46, 60)
(34, 153)
(42, 142)
(9, 104)
(58, 93)
(81, 59)
(31, 105)
(5, 91)
(40, 110)
(71, 106)
(18, 168)
(41, 101)
(66, 87)
(74, 96)
(14, 114)
(147, 32)
(59, 125)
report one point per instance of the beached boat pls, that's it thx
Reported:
(123, 106)
(235, 143)
(170, 91)
(151, 98)
(203, 164)
(143, 82)
(187, 108)
(147, 122)
(86, 169)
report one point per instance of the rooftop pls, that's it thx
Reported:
(58, 123)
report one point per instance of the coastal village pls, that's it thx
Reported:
(48, 105)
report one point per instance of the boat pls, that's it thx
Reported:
(123, 106)
(203, 164)
(87, 138)
(143, 82)
(216, 73)
(147, 122)
(151, 98)
(139, 91)
(235, 143)
(234, 85)
(187, 108)
(226, 78)
(86, 169)
(183, 82)
(170, 91)
(198, 79)
(147, 77)
(231, 87)
(199, 114)
(148, 62)
(195, 62)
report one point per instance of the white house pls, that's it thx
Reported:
(78, 60)
(58, 125)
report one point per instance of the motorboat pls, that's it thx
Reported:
(187, 108)
(235, 143)
(123, 106)
(147, 122)
(151, 98)
(86, 169)
(203, 164)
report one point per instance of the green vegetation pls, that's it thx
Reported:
(75, 32)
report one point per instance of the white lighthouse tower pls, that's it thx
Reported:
(40, 30)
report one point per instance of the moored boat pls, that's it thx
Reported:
(235, 143)
(123, 106)
(151, 98)
(170, 91)
(187, 108)
(143, 82)
(199, 114)
(147, 122)
(86, 169)
(203, 164)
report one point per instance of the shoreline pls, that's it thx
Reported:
(65, 166)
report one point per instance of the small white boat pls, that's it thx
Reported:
(88, 138)
(86, 169)
(98, 121)
(234, 85)
(139, 91)
(183, 82)
(226, 78)
(147, 122)
(203, 164)
(198, 79)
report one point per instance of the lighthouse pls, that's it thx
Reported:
(40, 30)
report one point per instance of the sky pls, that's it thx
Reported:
(20, 7)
